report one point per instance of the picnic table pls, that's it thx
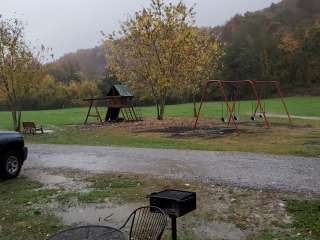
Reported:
(91, 232)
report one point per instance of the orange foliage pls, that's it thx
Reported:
(289, 44)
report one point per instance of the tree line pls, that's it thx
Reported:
(280, 43)
(165, 58)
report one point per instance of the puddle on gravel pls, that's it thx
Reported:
(112, 214)
(218, 230)
(54, 181)
(97, 214)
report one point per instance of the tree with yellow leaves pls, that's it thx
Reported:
(19, 67)
(149, 50)
(202, 57)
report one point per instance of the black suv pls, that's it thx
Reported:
(12, 154)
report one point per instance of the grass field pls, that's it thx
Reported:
(299, 106)
(302, 138)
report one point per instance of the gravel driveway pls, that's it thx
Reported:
(241, 169)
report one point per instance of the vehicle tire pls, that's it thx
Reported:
(10, 165)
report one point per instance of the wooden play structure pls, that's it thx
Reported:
(119, 100)
(231, 109)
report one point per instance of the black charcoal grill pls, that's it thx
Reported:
(175, 203)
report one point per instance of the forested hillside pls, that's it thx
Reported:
(278, 43)
(281, 42)
(82, 65)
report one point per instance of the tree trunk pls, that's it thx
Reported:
(158, 110)
(195, 114)
(14, 118)
(18, 128)
(161, 114)
(162, 108)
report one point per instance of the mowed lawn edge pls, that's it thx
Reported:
(298, 106)
(302, 139)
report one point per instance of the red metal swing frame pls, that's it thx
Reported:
(231, 107)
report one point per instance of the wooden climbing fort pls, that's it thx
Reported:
(119, 100)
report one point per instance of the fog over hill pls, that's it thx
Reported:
(67, 26)
(276, 20)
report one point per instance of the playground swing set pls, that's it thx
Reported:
(230, 106)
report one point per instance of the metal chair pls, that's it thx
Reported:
(146, 223)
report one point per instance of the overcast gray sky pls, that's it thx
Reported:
(68, 25)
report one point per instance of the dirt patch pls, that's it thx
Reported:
(87, 126)
(182, 127)
(207, 128)
(189, 132)
(218, 230)
(175, 127)
(312, 142)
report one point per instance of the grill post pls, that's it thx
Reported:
(173, 227)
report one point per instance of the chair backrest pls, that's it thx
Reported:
(146, 223)
(29, 125)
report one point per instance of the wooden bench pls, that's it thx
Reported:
(31, 128)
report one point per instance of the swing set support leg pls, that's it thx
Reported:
(229, 108)
(259, 104)
(225, 98)
(232, 106)
(235, 99)
(280, 95)
(204, 96)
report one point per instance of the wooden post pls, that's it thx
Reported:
(98, 116)
(88, 114)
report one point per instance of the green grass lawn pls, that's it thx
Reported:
(21, 217)
(300, 139)
(300, 106)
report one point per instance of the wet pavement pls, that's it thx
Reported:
(290, 173)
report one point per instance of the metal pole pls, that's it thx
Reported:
(235, 100)
(174, 227)
(253, 86)
(204, 96)
(283, 102)
(221, 87)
